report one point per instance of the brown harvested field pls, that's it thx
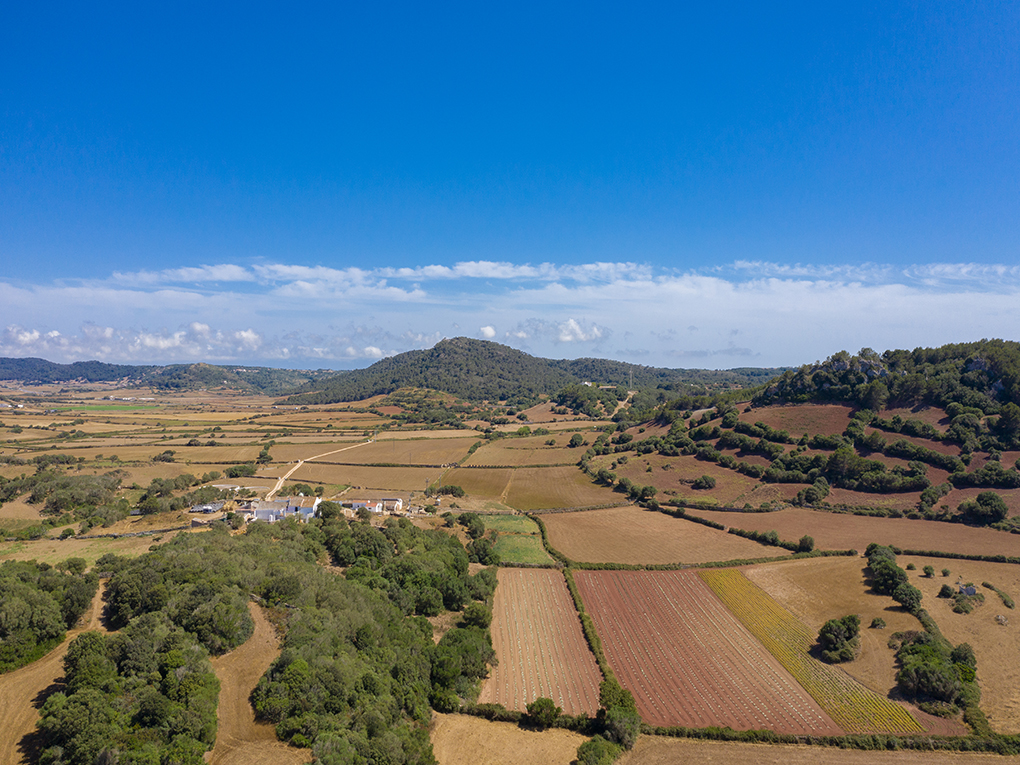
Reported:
(239, 739)
(482, 483)
(996, 646)
(540, 648)
(929, 414)
(839, 531)
(540, 488)
(688, 660)
(526, 451)
(423, 451)
(395, 478)
(288, 453)
(466, 740)
(798, 419)
(818, 589)
(23, 691)
(19, 509)
(660, 750)
(633, 535)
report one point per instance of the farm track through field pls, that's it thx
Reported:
(23, 691)
(855, 708)
(687, 659)
(540, 648)
(239, 738)
(299, 463)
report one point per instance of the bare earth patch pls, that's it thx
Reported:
(239, 738)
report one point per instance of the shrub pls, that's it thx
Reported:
(543, 712)
(878, 623)
(946, 572)
(806, 544)
(598, 751)
(704, 482)
(839, 638)
(929, 571)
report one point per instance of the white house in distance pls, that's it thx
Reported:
(275, 510)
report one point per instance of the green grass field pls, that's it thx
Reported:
(521, 548)
(510, 524)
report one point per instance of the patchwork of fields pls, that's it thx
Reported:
(698, 648)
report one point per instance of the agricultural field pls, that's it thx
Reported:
(539, 646)
(533, 450)
(521, 548)
(997, 646)
(380, 478)
(541, 488)
(480, 483)
(816, 590)
(709, 671)
(466, 740)
(419, 451)
(854, 708)
(633, 535)
(798, 419)
(839, 531)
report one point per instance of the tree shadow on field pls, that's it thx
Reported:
(31, 745)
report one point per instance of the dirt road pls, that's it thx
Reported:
(239, 739)
(299, 463)
(23, 691)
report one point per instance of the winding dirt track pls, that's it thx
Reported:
(24, 691)
(239, 739)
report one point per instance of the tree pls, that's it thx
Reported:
(622, 726)
(987, 508)
(597, 751)
(929, 571)
(543, 712)
(576, 440)
(839, 638)
(806, 544)
(908, 596)
(704, 482)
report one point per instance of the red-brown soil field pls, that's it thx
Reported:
(798, 419)
(539, 645)
(687, 659)
(839, 531)
(633, 535)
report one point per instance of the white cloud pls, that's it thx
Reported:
(782, 313)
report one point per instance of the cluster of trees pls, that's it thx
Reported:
(839, 639)
(38, 603)
(982, 376)
(887, 578)
(358, 670)
(933, 670)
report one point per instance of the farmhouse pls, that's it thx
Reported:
(275, 510)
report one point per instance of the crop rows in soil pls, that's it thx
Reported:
(539, 645)
(687, 659)
(855, 708)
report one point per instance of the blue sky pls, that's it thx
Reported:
(676, 185)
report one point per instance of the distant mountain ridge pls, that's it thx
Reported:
(478, 370)
(173, 377)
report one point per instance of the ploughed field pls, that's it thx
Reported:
(539, 646)
(633, 535)
(687, 659)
